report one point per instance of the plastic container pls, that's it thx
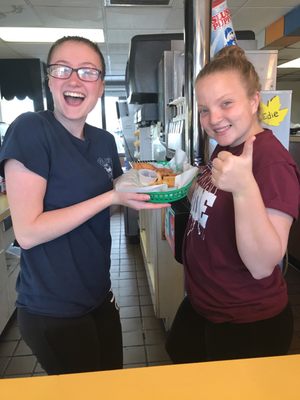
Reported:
(147, 176)
(159, 150)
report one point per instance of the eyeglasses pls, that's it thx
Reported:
(86, 74)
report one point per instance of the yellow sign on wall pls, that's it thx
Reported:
(271, 113)
(275, 112)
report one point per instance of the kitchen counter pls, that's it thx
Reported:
(9, 265)
(295, 138)
(4, 209)
(273, 378)
(161, 266)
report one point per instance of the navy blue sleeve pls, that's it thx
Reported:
(26, 141)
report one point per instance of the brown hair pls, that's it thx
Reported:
(233, 58)
(78, 39)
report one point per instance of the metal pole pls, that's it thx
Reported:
(103, 114)
(197, 15)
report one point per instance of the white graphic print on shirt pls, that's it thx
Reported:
(106, 163)
(204, 196)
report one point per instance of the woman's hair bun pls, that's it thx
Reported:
(233, 58)
(232, 52)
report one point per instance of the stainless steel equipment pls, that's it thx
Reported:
(171, 100)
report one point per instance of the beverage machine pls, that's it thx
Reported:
(142, 140)
(172, 114)
(145, 119)
(171, 101)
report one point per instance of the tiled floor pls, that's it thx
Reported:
(143, 334)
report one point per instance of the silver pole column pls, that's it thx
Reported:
(197, 16)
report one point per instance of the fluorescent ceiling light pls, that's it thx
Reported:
(48, 35)
(291, 64)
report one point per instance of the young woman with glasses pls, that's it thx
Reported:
(60, 176)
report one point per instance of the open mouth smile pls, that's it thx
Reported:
(74, 98)
(222, 130)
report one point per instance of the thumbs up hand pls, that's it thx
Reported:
(233, 173)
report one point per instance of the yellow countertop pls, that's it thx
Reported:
(271, 378)
(4, 209)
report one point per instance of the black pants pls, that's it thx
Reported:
(92, 342)
(193, 338)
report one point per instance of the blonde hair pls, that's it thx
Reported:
(233, 58)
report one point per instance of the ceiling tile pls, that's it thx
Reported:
(120, 24)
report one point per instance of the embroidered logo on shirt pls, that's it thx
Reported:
(204, 196)
(106, 163)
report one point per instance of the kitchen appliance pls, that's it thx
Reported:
(175, 222)
(145, 117)
(170, 81)
(141, 70)
(125, 113)
(170, 98)
(176, 127)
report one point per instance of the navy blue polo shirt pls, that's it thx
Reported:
(67, 276)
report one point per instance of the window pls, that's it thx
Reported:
(112, 123)
(11, 109)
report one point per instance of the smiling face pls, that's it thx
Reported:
(73, 98)
(227, 113)
(230, 36)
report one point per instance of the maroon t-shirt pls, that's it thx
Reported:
(218, 284)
